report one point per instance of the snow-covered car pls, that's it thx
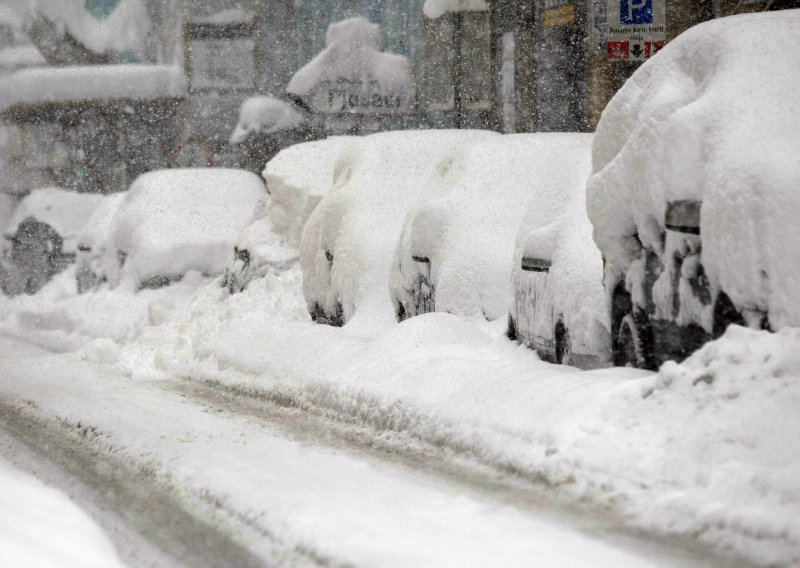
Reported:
(694, 189)
(347, 247)
(559, 304)
(41, 237)
(180, 220)
(267, 125)
(93, 242)
(455, 253)
(297, 179)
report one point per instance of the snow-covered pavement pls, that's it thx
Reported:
(270, 486)
(429, 442)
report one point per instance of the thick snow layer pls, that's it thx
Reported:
(41, 527)
(66, 211)
(713, 117)
(96, 82)
(347, 246)
(94, 242)
(555, 228)
(125, 29)
(437, 8)
(266, 115)
(173, 221)
(354, 53)
(704, 449)
(468, 234)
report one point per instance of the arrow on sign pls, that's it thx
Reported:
(636, 50)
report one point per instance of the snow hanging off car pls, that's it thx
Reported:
(694, 189)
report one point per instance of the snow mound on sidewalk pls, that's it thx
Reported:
(40, 526)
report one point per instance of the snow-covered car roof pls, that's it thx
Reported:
(712, 117)
(468, 234)
(264, 114)
(375, 183)
(66, 211)
(172, 221)
(93, 82)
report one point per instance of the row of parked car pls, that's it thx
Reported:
(678, 219)
(631, 246)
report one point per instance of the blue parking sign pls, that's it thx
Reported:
(636, 11)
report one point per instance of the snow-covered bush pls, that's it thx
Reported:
(348, 243)
(263, 114)
(297, 179)
(694, 188)
(174, 221)
(558, 306)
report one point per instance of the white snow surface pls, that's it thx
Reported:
(66, 211)
(376, 182)
(712, 117)
(468, 234)
(354, 52)
(94, 82)
(703, 450)
(174, 221)
(41, 527)
(20, 56)
(555, 228)
(264, 114)
(125, 29)
(436, 8)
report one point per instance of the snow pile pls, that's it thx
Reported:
(95, 82)
(354, 53)
(40, 526)
(20, 56)
(125, 29)
(174, 221)
(66, 211)
(555, 228)
(713, 117)
(437, 8)
(468, 235)
(347, 246)
(266, 115)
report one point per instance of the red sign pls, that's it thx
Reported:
(618, 50)
(652, 47)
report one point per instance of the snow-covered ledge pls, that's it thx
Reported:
(436, 8)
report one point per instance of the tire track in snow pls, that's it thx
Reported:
(144, 498)
(387, 441)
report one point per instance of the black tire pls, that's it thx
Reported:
(725, 314)
(511, 330)
(634, 343)
(563, 345)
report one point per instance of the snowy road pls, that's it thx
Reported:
(179, 473)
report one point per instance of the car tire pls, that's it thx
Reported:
(634, 345)
(563, 345)
(725, 314)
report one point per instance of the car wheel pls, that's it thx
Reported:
(725, 314)
(511, 330)
(634, 347)
(563, 345)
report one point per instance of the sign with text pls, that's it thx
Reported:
(637, 29)
(358, 97)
